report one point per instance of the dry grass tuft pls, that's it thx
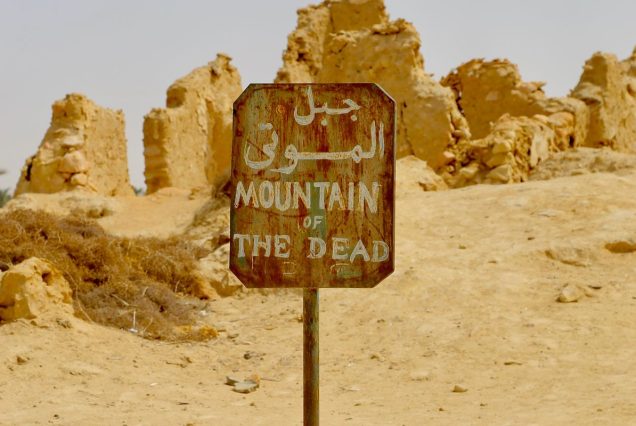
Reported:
(135, 284)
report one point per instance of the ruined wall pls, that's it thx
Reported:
(84, 147)
(608, 88)
(303, 58)
(512, 149)
(188, 144)
(353, 41)
(486, 90)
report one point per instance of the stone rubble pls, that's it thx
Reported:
(34, 290)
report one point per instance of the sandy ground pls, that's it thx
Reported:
(472, 303)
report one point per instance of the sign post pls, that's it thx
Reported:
(312, 190)
(311, 357)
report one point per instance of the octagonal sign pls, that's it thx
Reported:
(312, 185)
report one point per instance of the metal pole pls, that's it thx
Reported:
(311, 389)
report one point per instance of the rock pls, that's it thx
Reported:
(83, 138)
(231, 380)
(252, 354)
(216, 278)
(79, 179)
(487, 90)
(605, 86)
(188, 144)
(378, 357)
(571, 293)
(34, 289)
(570, 255)
(627, 245)
(245, 387)
(514, 147)
(354, 41)
(73, 162)
(21, 360)
(460, 389)
(500, 174)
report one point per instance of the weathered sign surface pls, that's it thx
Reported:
(313, 185)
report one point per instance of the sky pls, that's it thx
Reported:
(124, 54)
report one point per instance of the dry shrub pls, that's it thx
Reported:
(136, 284)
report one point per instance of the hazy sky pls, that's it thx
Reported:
(125, 54)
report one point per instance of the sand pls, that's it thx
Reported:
(472, 306)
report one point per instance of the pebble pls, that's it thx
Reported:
(377, 356)
(245, 387)
(252, 354)
(626, 245)
(460, 389)
(570, 293)
(231, 380)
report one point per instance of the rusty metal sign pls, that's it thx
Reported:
(312, 181)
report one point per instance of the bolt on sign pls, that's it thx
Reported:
(312, 180)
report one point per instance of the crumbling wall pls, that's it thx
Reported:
(486, 90)
(188, 144)
(303, 58)
(608, 88)
(353, 41)
(514, 147)
(84, 147)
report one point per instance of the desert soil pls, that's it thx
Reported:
(472, 303)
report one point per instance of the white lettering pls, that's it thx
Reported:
(241, 243)
(266, 194)
(339, 248)
(359, 250)
(257, 244)
(246, 196)
(376, 250)
(322, 188)
(280, 243)
(335, 195)
(279, 204)
(306, 196)
(372, 201)
(317, 248)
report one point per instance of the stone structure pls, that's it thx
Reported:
(85, 147)
(608, 87)
(354, 41)
(486, 90)
(187, 144)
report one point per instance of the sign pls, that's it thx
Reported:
(312, 183)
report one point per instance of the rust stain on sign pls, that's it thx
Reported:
(313, 170)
